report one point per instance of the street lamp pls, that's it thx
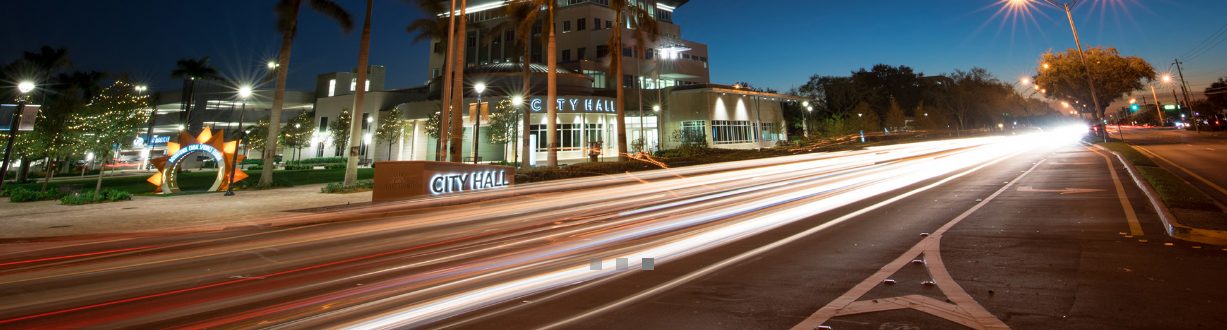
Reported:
(244, 94)
(479, 88)
(1090, 79)
(23, 88)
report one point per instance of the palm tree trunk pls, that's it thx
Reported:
(355, 126)
(456, 135)
(551, 91)
(445, 93)
(274, 117)
(621, 94)
(525, 157)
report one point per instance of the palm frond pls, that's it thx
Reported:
(333, 10)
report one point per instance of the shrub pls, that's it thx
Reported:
(21, 195)
(335, 166)
(299, 167)
(88, 197)
(340, 188)
(318, 161)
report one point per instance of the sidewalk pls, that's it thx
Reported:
(153, 213)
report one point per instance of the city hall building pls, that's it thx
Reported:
(669, 98)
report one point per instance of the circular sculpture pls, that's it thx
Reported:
(215, 146)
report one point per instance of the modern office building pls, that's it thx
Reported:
(669, 97)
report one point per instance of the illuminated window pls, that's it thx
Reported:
(569, 136)
(332, 87)
(693, 132)
(769, 132)
(732, 131)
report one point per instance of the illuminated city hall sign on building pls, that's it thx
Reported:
(207, 144)
(583, 104)
(409, 179)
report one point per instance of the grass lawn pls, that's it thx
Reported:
(202, 180)
(1173, 190)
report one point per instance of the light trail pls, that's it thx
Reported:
(523, 240)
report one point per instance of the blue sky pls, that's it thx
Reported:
(769, 43)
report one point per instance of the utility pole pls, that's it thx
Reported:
(1158, 107)
(1090, 79)
(1184, 87)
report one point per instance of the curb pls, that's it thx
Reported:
(1172, 225)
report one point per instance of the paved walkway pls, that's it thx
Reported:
(153, 213)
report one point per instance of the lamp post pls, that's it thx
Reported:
(1090, 79)
(23, 88)
(805, 118)
(479, 88)
(244, 93)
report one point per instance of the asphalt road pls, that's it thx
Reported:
(1019, 232)
(1201, 158)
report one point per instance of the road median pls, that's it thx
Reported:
(1186, 212)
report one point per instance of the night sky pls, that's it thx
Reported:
(771, 45)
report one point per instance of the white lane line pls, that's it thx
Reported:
(1135, 227)
(763, 249)
(964, 306)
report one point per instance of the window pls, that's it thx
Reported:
(648, 53)
(581, 54)
(436, 72)
(769, 132)
(608, 24)
(566, 55)
(566, 26)
(692, 133)
(598, 78)
(628, 81)
(581, 24)
(732, 131)
(366, 123)
(323, 127)
(332, 87)
(628, 52)
(596, 23)
(319, 150)
(569, 138)
(602, 51)
(339, 150)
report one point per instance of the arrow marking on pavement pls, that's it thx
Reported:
(961, 308)
(1065, 191)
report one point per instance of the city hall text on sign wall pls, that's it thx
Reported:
(452, 183)
(577, 104)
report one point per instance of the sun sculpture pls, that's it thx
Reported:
(208, 143)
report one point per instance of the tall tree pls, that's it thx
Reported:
(866, 117)
(340, 130)
(518, 12)
(895, 119)
(192, 70)
(287, 23)
(355, 138)
(626, 12)
(298, 131)
(1063, 77)
(546, 13)
(390, 127)
(109, 122)
(41, 66)
(435, 27)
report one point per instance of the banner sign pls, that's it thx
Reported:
(577, 104)
(410, 179)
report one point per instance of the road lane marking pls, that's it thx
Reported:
(962, 308)
(1135, 227)
(763, 249)
(1220, 189)
(1065, 191)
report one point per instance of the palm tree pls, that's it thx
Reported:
(287, 23)
(645, 28)
(518, 12)
(455, 134)
(355, 131)
(429, 29)
(191, 70)
(547, 7)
